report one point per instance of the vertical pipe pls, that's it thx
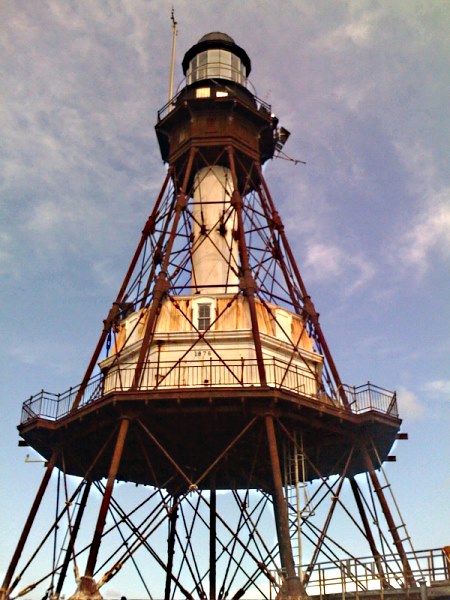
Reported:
(28, 525)
(212, 539)
(172, 57)
(295, 588)
(114, 467)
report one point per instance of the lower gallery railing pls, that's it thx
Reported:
(206, 374)
(353, 575)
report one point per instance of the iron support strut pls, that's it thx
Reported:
(87, 587)
(161, 286)
(114, 467)
(248, 283)
(294, 586)
(29, 522)
(171, 545)
(407, 571)
(375, 553)
(73, 536)
(120, 295)
(323, 533)
(308, 304)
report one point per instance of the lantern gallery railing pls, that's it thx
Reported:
(257, 102)
(205, 374)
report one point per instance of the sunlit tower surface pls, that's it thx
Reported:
(212, 396)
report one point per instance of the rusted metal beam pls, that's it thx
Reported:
(161, 285)
(294, 586)
(172, 461)
(369, 536)
(323, 533)
(248, 283)
(173, 516)
(227, 449)
(4, 591)
(114, 467)
(407, 571)
(308, 304)
(70, 552)
(119, 298)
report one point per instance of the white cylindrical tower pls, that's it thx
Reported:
(214, 249)
(211, 66)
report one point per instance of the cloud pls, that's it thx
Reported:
(439, 388)
(425, 233)
(8, 266)
(409, 406)
(358, 30)
(329, 261)
(428, 235)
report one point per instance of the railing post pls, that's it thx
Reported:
(321, 582)
(423, 589)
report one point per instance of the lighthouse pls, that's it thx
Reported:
(212, 389)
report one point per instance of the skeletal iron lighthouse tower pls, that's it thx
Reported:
(213, 390)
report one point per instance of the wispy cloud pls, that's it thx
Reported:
(357, 29)
(409, 405)
(328, 262)
(429, 234)
(439, 389)
(7, 265)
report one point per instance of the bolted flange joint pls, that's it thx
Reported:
(247, 284)
(182, 202)
(161, 286)
(309, 309)
(277, 222)
(113, 316)
(236, 200)
(149, 227)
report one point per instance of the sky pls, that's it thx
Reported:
(364, 89)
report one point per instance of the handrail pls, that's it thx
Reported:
(352, 574)
(168, 107)
(206, 374)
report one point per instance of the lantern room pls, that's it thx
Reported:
(216, 56)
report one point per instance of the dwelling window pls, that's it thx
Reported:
(204, 92)
(204, 316)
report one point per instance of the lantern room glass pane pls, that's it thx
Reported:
(213, 63)
(216, 63)
(202, 61)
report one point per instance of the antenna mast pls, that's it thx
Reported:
(172, 60)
